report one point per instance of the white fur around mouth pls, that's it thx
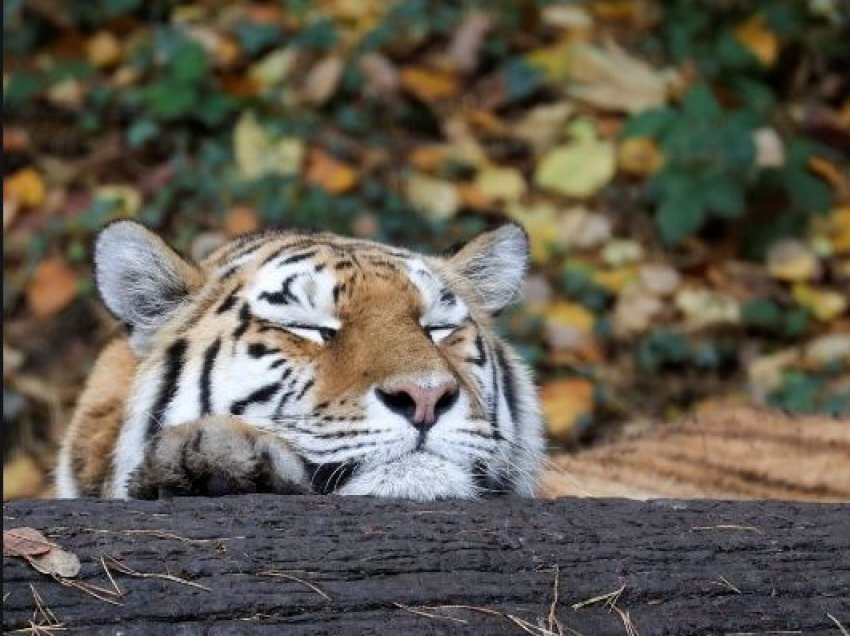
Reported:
(420, 476)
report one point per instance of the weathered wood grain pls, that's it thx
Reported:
(685, 567)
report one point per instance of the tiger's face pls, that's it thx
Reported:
(376, 365)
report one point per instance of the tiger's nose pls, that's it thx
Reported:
(420, 405)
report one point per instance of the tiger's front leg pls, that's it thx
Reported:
(216, 456)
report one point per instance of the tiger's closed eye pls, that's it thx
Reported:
(314, 333)
(439, 332)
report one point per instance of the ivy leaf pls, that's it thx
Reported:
(650, 123)
(700, 102)
(725, 197)
(678, 217)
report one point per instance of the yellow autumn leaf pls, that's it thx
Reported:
(500, 184)
(428, 85)
(564, 402)
(577, 169)
(104, 50)
(834, 229)
(257, 155)
(791, 260)
(26, 187)
(826, 305)
(756, 36)
(568, 314)
(639, 156)
(616, 279)
(540, 220)
(437, 198)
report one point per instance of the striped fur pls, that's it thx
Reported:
(722, 453)
(262, 369)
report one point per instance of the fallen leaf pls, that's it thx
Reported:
(25, 187)
(756, 36)
(466, 42)
(51, 288)
(584, 229)
(580, 168)
(622, 252)
(322, 80)
(25, 542)
(329, 173)
(566, 16)
(635, 310)
(827, 349)
(257, 155)
(826, 305)
(104, 50)
(612, 79)
(660, 280)
(770, 151)
(382, 77)
(765, 372)
(791, 260)
(639, 156)
(703, 307)
(570, 314)
(427, 85)
(500, 184)
(274, 68)
(833, 230)
(241, 220)
(56, 562)
(542, 126)
(614, 280)
(563, 402)
(471, 196)
(68, 93)
(437, 198)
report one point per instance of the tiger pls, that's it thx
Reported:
(296, 362)
(716, 452)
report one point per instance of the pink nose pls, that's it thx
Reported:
(421, 405)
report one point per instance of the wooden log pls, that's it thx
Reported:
(337, 565)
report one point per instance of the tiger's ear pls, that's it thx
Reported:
(494, 263)
(141, 280)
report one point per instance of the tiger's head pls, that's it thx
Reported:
(377, 365)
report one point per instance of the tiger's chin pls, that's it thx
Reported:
(418, 476)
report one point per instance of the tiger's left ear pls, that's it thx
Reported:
(494, 263)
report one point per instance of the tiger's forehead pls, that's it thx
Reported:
(313, 277)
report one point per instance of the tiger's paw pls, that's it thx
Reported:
(213, 457)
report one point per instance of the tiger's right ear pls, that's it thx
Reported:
(141, 280)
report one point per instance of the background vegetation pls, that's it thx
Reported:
(681, 168)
